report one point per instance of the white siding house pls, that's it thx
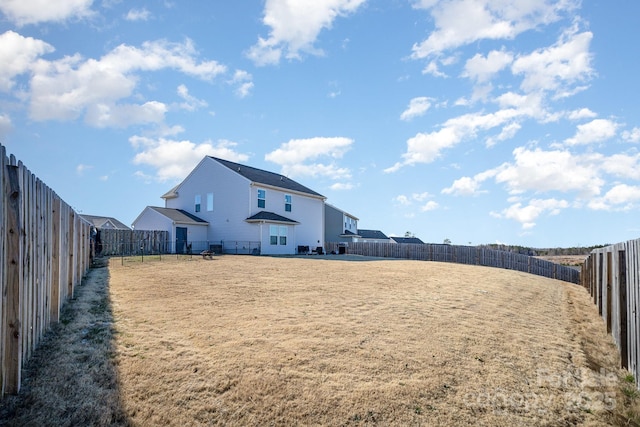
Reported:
(245, 205)
(184, 228)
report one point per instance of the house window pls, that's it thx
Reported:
(278, 235)
(287, 203)
(262, 198)
(198, 201)
(209, 202)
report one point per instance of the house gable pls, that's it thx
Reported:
(105, 222)
(243, 204)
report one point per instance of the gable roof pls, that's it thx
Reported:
(271, 217)
(271, 179)
(330, 206)
(413, 240)
(372, 234)
(105, 222)
(179, 216)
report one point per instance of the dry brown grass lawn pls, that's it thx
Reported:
(307, 341)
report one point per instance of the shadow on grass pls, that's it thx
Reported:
(71, 379)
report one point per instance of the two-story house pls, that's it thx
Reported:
(340, 226)
(243, 204)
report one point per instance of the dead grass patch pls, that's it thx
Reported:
(281, 341)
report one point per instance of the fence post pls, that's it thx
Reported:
(71, 248)
(622, 306)
(12, 356)
(55, 262)
(600, 283)
(609, 285)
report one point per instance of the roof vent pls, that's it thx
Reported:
(238, 168)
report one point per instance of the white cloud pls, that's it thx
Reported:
(464, 186)
(620, 197)
(81, 168)
(23, 12)
(619, 165)
(433, 69)
(342, 186)
(632, 136)
(191, 103)
(17, 56)
(491, 20)
(557, 67)
(583, 113)
(66, 88)
(416, 198)
(5, 125)
(469, 186)
(409, 200)
(417, 107)
(430, 206)
(527, 215)
(597, 130)
(298, 157)
(402, 199)
(295, 26)
(123, 115)
(541, 171)
(138, 15)
(243, 82)
(427, 147)
(508, 132)
(482, 69)
(173, 160)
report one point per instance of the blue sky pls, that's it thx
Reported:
(478, 121)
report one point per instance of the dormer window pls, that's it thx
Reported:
(262, 198)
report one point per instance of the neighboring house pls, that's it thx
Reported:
(105, 222)
(412, 240)
(245, 205)
(183, 227)
(372, 236)
(339, 226)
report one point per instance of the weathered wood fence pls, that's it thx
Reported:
(462, 255)
(612, 276)
(44, 253)
(133, 242)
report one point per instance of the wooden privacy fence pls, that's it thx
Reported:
(131, 242)
(612, 276)
(462, 255)
(44, 253)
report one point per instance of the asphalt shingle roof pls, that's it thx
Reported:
(372, 234)
(270, 216)
(179, 215)
(100, 221)
(413, 240)
(272, 179)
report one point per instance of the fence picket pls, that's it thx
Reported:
(615, 288)
(32, 264)
(463, 255)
